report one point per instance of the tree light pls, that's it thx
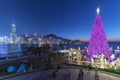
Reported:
(98, 10)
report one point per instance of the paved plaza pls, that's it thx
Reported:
(63, 74)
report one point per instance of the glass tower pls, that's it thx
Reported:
(13, 34)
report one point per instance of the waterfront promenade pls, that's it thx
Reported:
(67, 73)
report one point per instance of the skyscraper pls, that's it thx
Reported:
(13, 34)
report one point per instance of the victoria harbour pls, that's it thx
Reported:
(9, 49)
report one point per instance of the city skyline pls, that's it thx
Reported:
(65, 18)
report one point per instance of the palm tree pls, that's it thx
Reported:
(29, 50)
(40, 54)
(61, 45)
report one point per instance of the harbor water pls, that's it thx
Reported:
(17, 49)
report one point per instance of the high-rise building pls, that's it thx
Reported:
(13, 34)
(35, 34)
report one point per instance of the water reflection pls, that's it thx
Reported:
(17, 49)
(10, 50)
(3, 48)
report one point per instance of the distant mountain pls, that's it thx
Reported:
(53, 36)
(50, 35)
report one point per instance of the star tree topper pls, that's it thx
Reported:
(98, 10)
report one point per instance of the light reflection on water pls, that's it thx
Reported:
(17, 49)
(10, 49)
(3, 49)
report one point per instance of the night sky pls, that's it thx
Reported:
(66, 18)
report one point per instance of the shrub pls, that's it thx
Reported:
(116, 71)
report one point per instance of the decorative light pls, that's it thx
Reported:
(98, 10)
(13, 25)
(98, 43)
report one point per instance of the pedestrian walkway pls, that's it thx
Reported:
(63, 74)
(103, 76)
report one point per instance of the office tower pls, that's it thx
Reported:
(13, 34)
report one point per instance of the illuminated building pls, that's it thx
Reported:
(13, 34)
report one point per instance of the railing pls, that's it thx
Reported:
(19, 74)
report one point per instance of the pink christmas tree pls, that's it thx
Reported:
(98, 43)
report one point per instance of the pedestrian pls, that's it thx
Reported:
(54, 75)
(96, 71)
(97, 77)
(58, 66)
(89, 68)
(80, 75)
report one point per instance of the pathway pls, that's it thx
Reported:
(63, 74)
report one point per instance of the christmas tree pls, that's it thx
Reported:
(98, 43)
